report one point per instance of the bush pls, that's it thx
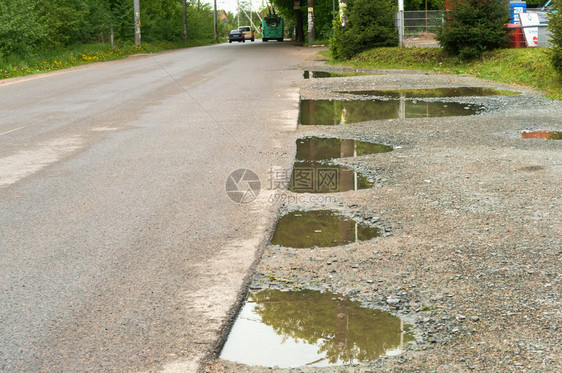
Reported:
(474, 26)
(369, 24)
(20, 31)
(555, 28)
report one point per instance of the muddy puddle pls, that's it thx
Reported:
(310, 328)
(312, 174)
(326, 74)
(319, 148)
(435, 92)
(319, 177)
(319, 228)
(547, 135)
(340, 112)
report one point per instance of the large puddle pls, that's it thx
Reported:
(340, 112)
(435, 92)
(327, 74)
(310, 328)
(319, 148)
(319, 228)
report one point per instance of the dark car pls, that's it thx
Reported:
(236, 35)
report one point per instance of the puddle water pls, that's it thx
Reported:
(435, 92)
(548, 135)
(318, 177)
(339, 112)
(319, 148)
(310, 328)
(319, 228)
(326, 74)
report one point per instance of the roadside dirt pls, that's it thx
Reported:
(473, 212)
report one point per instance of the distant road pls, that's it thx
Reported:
(119, 247)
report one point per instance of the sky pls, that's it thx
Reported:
(232, 5)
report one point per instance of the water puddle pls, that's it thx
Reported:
(547, 135)
(319, 228)
(318, 177)
(435, 92)
(319, 148)
(326, 74)
(340, 112)
(310, 328)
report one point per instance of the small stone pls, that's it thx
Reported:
(475, 318)
(392, 300)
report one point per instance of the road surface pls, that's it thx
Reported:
(120, 249)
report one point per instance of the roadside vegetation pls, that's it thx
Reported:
(473, 38)
(63, 58)
(365, 24)
(473, 27)
(524, 66)
(555, 25)
(39, 36)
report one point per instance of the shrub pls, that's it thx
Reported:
(20, 31)
(474, 26)
(555, 28)
(369, 24)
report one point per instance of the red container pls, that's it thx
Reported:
(516, 36)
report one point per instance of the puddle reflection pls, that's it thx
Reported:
(319, 148)
(340, 112)
(318, 177)
(310, 328)
(548, 135)
(319, 228)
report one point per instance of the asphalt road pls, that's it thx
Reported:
(119, 247)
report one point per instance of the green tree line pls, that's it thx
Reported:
(30, 27)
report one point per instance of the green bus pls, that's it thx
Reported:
(272, 28)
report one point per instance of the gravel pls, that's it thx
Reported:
(473, 254)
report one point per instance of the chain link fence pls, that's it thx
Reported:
(420, 26)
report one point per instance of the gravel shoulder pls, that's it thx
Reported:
(473, 216)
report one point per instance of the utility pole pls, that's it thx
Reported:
(184, 6)
(401, 22)
(136, 7)
(311, 31)
(215, 21)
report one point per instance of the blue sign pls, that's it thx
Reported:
(516, 8)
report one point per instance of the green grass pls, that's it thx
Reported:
(522, 66)
(80, 55)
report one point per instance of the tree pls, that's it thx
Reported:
(555, 28)
(369, 24)
(20, 29)
(474, 26)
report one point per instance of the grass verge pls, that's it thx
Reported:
(80, 55)
(524, 66)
